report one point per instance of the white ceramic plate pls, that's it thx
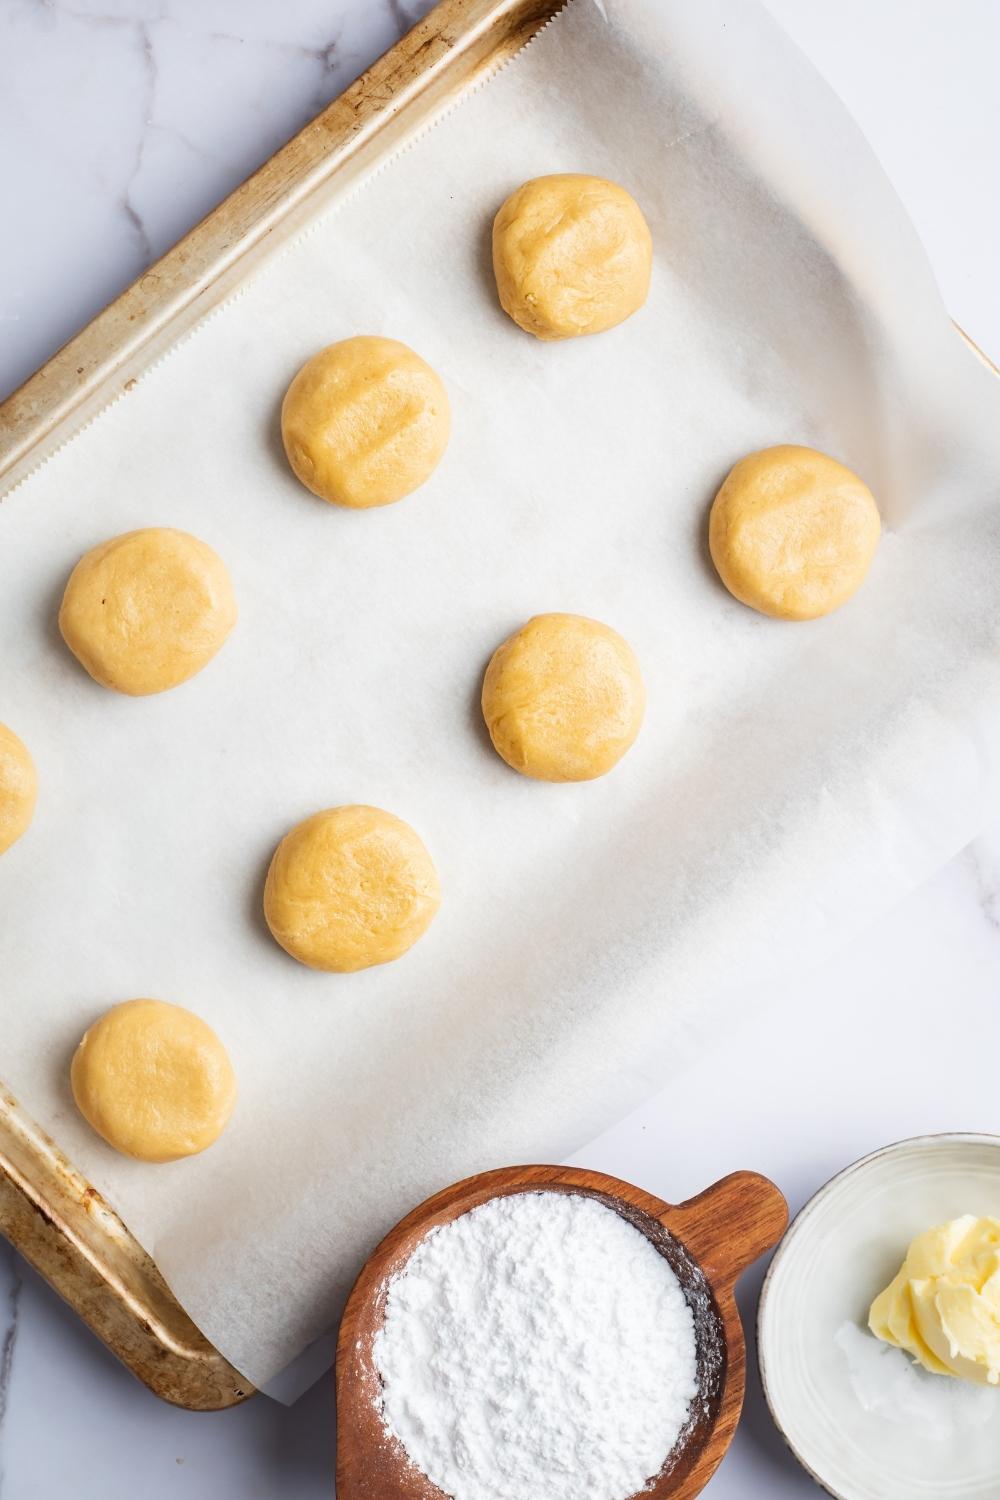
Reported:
(862, 1418)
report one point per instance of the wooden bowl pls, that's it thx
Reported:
(709, 1241)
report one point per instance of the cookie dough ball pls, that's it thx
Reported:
(792, 532)
(350, 887)
(18, 787)
(147, 610)
(154, 1080)
(365, 422)
(563, 698)
(572, 255)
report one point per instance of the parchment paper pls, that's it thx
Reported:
(790, 782)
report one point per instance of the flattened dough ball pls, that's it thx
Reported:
(563, 698)
(792, 532)
(145, 611)
(571, 254)
(154, 1080)
(18, 787)
(365, 422)
(350, 887)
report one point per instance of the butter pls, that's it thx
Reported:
(943, 1306)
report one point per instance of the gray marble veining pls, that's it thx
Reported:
(11, 1284)
(188, 98)
(983, 858)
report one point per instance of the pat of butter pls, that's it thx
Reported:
(943, 1307)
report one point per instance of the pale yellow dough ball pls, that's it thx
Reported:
(572, 255)
(792, 532)
(563, 698)
(18, 787)
(145, 611)
(365, 422)
(350, 887)
(154, 1080)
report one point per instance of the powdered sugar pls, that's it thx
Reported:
(891, 1387)
(537, 1345)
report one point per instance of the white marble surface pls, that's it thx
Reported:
(122, 122)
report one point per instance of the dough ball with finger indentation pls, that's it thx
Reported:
(792, 532)
(563, 698)
(18, 787)
(154, 1080)
(350, 887)
(365, 422)
(145, 611)
(572, 255)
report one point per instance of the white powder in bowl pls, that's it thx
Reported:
(537, 1346)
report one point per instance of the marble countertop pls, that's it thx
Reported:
(123, 122)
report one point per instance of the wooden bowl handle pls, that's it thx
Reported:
(730, 1224)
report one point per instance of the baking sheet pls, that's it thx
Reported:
(790, 782)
